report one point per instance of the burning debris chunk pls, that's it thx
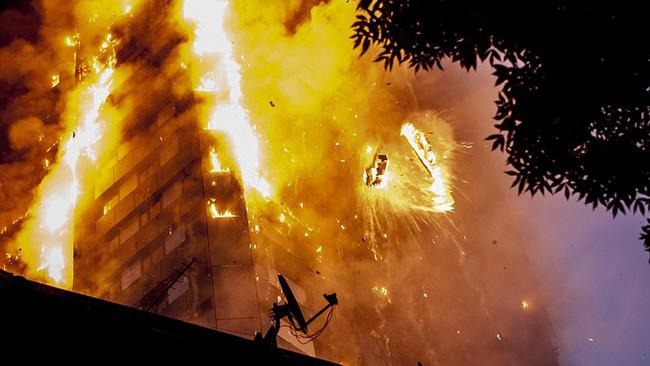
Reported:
(377, 174)
(56, 79)
(442, 199)
(382, 291)
(419, 143)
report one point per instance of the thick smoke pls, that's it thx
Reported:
(415, 285)
(30, 106)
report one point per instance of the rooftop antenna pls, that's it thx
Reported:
(291, 310)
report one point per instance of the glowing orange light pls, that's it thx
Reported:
(442, 199)
(56, 79)
(383, 291)
(211, 42)
(216, 164)
(48, 235)
(215, 213)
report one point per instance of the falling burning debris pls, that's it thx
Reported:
(56, 79)
(377, 174)
(382, 291)
(442, 199)
(217, 73)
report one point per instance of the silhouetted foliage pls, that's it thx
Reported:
(574, 109)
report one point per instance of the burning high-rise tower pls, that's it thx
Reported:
(164, 196)
(210, 160)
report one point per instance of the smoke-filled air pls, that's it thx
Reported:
(374, 190)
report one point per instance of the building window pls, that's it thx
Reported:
(169, 150)
(123, 150)
(174, 239)
(128, 186)
(148, 172)
(154, 211)
(178, 289)
(171, 194)
(144, 219)
(129, 229)
(130, 274)
(113, 244)
(110, 204)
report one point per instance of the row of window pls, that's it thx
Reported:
(131, 273)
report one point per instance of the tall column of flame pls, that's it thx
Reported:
(47, 238)
(221, 76)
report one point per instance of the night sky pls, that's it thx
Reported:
(592, 268)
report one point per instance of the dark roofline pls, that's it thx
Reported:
(34, 314)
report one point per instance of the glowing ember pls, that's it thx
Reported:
(442, 199)
(216, 213)
(56, 79)
(524, 304)
(219, 74)
(216, 164)
(71, 41)
(383, 291)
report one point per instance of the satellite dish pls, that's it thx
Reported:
(291, 310)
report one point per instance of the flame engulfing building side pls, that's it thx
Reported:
(160, 200)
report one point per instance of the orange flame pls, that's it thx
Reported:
(215, 213)
(48, 235)
(442, 199)
(217, 73)
(216, 164)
